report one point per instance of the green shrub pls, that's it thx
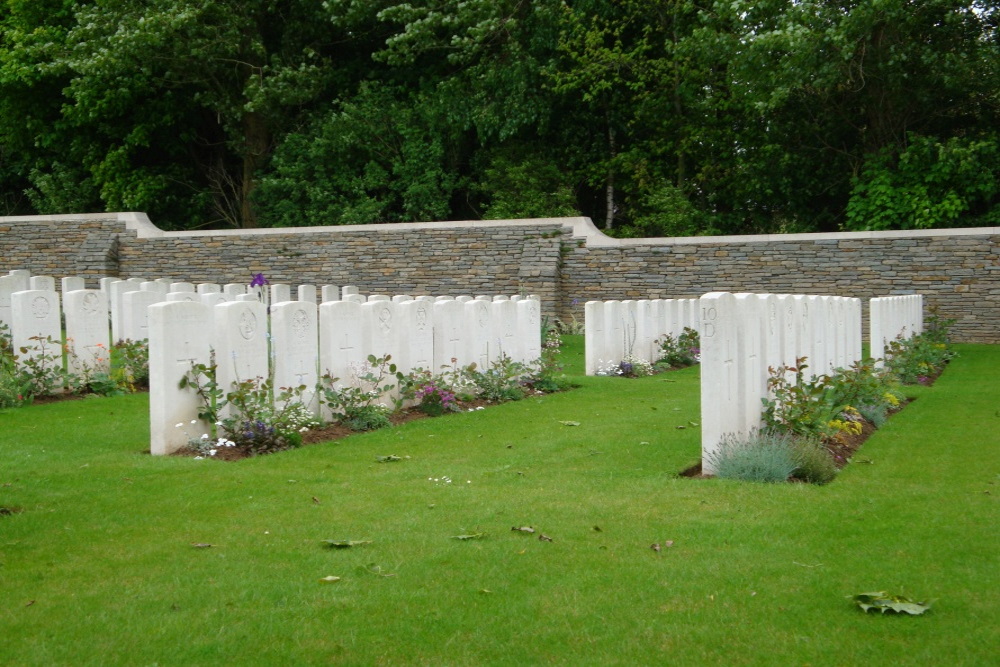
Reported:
(813, 462)
(760, 456)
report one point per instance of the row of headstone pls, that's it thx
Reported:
(891, 318)
(744, 335)
(299, 343)
(614, 330)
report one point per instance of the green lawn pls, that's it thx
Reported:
(98, 566)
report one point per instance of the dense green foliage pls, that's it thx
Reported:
(653, 118)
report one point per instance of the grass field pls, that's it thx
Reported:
(97, 564)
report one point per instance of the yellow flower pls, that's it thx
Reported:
(891, 400)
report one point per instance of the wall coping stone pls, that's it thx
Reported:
(582, 228)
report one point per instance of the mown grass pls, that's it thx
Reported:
(98, 567)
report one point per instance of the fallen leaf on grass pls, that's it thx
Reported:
(315, 500)
(469, 536)
(201, 545)
(30, 602)
(345, 544)
(884, 602)
(372, 568)
(388, 459)
(569, 423)
(330, 579)
(542, 537)
(523, 529)
(680, 428)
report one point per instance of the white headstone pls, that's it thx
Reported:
(722, 409)
(177, 340)
(281, 292)
(208, 288)
(401, 298)
(348, 290)
(182, 287)
(87, 330)
(343, 339)
(153, 286)
(8, 285)
(240, 343)
(234, 289)
(183, 297)
(329, 293)
(72, 283)
(505, 339)
(295, 339)
(135, 313)
(36, 326)
(529, 329)
(46, 283)
(595, 337)
(449, 335)
(481, 348)
(306, 293)
(418, 340)
(215, 298)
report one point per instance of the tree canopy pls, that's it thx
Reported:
(653, 117)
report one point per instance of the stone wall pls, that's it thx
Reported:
(566, 261)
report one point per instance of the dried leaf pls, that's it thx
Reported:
(668, 544)
(330, 579)
(569, 423)
(388, 459)
(469, 536)
(201, 545)
(345, 544)
(597, 529)
(315, 500)
(884, 602)
(655, 546)
(542, 537)
(523, 529)
(372, 568)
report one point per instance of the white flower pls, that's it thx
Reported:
(198, 458)
(204, 436)
(180, 425)
(212, 452)
(194, 421)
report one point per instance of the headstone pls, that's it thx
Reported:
(281, 292)
(373, 298)
(355, 298)
(8, 285)
(449, 335)
(37, 326)
(750, 348)
(72, 283)
(295, 339)
(343, 339)
(529, 329)
(208, 288)
(234, 289)
(401, 298)
(348, 290)
(384, 327)
(135, 313)
(177, 340)
(45, 283)
(182, 287)
(183, 297)
(329, 293)
(306, 293)
(722, 405)
(215, 298)
(153, 286)
(87, 332)
(595, 337)
(247, 297)
(481, 349)
(463, 298)
(417, 318)
(505, 339)
(240, 344)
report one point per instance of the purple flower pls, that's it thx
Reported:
(258, 280)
